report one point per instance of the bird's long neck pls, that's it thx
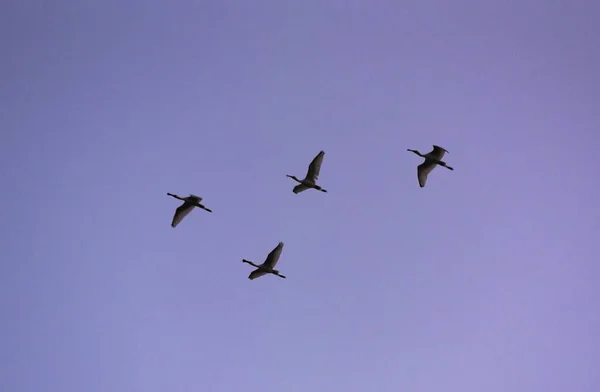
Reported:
(294, 178)
(416, 152)
(251, 263)
(175, 196)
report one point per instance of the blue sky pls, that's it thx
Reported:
(484, 280)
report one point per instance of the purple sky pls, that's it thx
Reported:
(486, 280)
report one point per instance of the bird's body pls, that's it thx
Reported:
(312, 175)
(432, 159)
(268, 267)
(189, 203)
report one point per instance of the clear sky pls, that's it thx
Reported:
(484, 280)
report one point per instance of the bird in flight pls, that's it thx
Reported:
(268, 267)
(312, 175)
(189, 203)
(432, 159)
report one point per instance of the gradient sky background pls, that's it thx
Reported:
(485, 280)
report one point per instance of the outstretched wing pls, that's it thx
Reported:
(299, 188)
(257, 273)
(273, 257)
(181, 212)
(315, 167)
(437, 153)
(195, 198)
(423, 171)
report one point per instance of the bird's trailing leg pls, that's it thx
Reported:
(318, 187)
(446, 166)
(204, 208)
(281, 276)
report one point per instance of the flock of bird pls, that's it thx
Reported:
(432, 159)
